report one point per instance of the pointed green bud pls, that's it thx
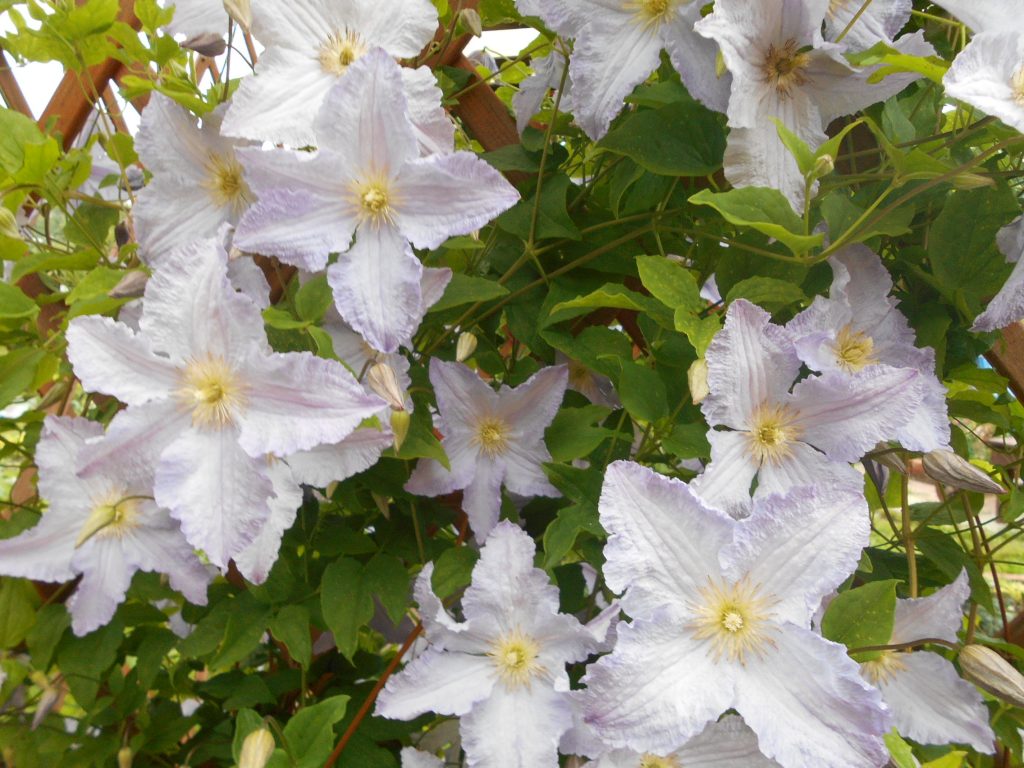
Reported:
(991, 672)
(256, 749)
(400, 421)
(466, 346)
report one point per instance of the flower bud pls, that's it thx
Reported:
(208, 44)
(131, 286)
(465, 347)
(240, 11)
(991, 672)
(469, 20)
(8, 224)
(256, 749)
(400, 421)
(889, 458)
(823, 166)
(384, 381)
(124, 757)
(948, 468)
(697, 378)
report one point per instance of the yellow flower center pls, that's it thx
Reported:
(853, 349)
(340, 50)
(373, 200)
(783, 68)
(492, 436)
(515, 657)
(772, 433)
(1017, 86)
(735, 618)
(651, 12)
(212, 391)
(113, 514)
(882, 669)
(225, 183)
(654, 761)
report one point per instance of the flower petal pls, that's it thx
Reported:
(657, 689)
(481, 498)
(296, 401)
(157, 545)
(1007, 306)
(444, 195)
(880, 22)
(435, 131)
(808, 705)
(255, 561)
(516, 728)
(437, 681)
(939, 615)
(663, 543)
(531, 407)
(932, 705)
(462, 396)
(105, 581)
(216, 491)
(325, 464)
(750, 361)
(135, 439)
(694, 58)
(800, 546)
(377, 286)
(109, 357)
(443, 632)
(805, 466)
(725, 482)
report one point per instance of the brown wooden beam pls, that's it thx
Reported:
(1007, 357)
(10, 89)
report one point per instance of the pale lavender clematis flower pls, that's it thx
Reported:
(502, 671)
(619, 44)
(727, 743)
(367, 178)
(930, 703)
(1007, 306)
(491, 438)
(415, 758)
(208, 399)
(547, 76)
(721, 615)
(782, 68)
(197, 184)
(881, 21)
(859, 327)
(310, 46)
(105, 527)
(194, 18)
(786, 435)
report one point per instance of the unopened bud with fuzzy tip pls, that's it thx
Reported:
(465, 347)
(124, 757)
(400, 421)
(256, 749)
(697, 378)
(240, 11)
(823, 166)
(950, 469)
(384, 381)
(470, 21)
(991, 672)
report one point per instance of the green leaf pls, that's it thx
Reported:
(679, 139)
(18, 373)
(902, 754)
(16, 133)
(766, 210)
(14, 304)
(18, 601)
(278, 318)
(688, 441)
(389, 581)
(952, 759)
(313, 299)
(346, 602)
(310, 733)
(768, 292)
(466, 289)
(562, 532)
(513, 157)
(42, 638)
(947, 555)
(453, 570)
(421, 442)
(553, 220)
(699, 330)
(862, 617)
(246, 624)
(572, 434)
(642, 393)
(670, 283)
(291, 627)
(83, 660)
(614, 296)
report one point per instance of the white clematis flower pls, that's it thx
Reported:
(782, 68)
(195, 18)
(105, 527)
(502, 671)
(367, 178)
(721, 615)
(208, 399)
(415, 758)
(859, 327)
(491, 438)
(786, 435)
(881, 21)
(618, 45)
(310, 45)
(198, 183)
(728, 743)
(930, 703)
(1007, 306)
